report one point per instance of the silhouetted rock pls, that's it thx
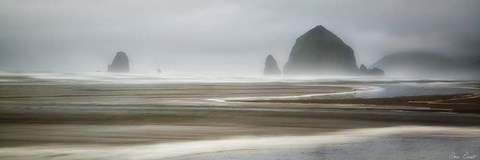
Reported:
(271, 67)
(363, 67)
(159, 71)
(320, 52)
(370, 72)
(120, 63)
(376, 71)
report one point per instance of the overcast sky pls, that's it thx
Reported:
(221, 35)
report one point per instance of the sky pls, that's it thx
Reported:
(222, 36)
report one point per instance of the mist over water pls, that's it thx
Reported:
(180, 77)
(226, 37)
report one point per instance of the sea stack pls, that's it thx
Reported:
(371, 72)
(271, 66)
(120, 63)
(320, 52)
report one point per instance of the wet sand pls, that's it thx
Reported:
(70, 121)
(401, 142)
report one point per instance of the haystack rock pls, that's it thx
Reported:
(320, 52)
(120, 63)
(271, 66)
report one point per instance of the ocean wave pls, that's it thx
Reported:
(167, 77)
(358, 90)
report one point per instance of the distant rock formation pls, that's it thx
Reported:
(120, 63)
(271, 67)
(363, 67)
(159, 71)
(370, 72)
(320, 52)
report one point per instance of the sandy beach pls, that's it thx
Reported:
(231, 120)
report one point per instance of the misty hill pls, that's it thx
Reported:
(120, 63)
(271, 66)
(474, 69)
(417, 64)
(320, 52)
(476, 64)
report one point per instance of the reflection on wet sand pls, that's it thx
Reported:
(141, 121)
(403, 142)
